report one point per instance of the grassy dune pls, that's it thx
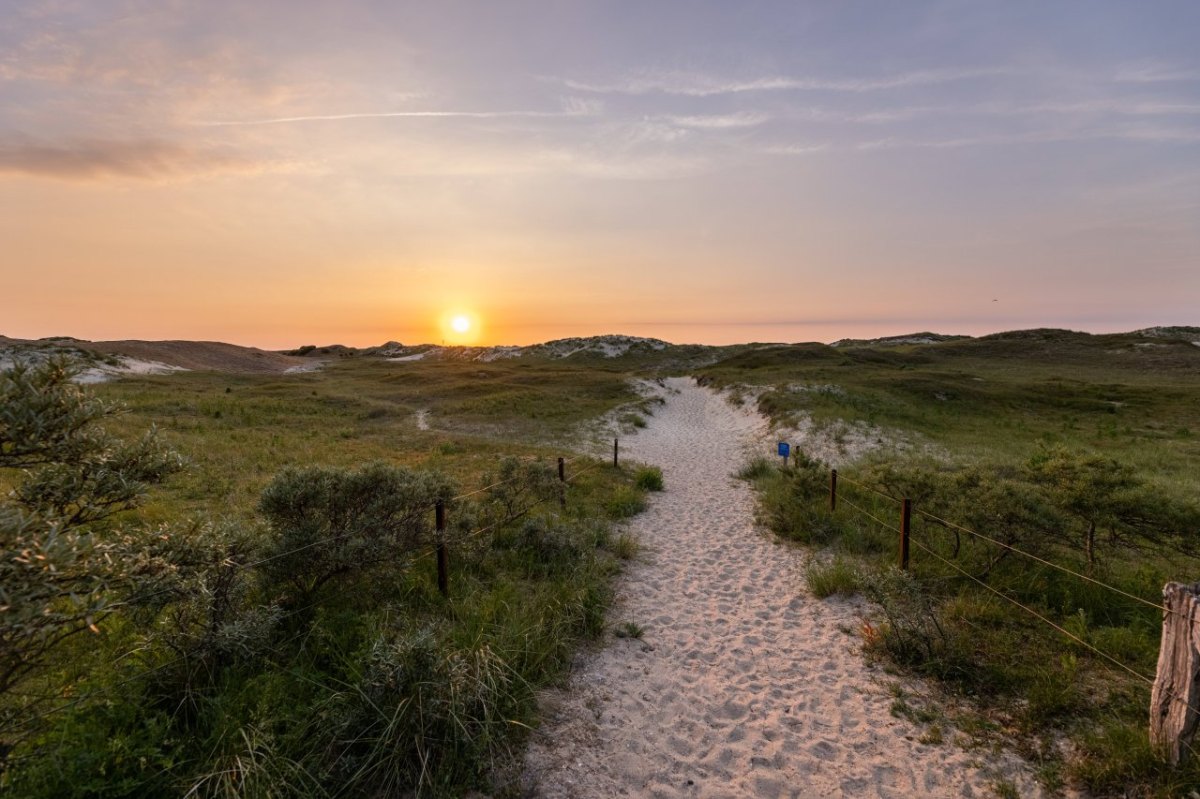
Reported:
(234, 684)
(1024, 437)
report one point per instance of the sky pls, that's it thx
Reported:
(286, 173)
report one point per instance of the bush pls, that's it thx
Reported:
(518, 486)
(914, 633)
(330, 524)
(649, 478)
(65, 563)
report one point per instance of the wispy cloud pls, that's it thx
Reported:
(1155, 72)
(741, 119)
(796, 149)
(1146, 134)
(571, 108)
(692, 84)
(94, 159)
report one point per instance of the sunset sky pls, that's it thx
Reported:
(287, 173)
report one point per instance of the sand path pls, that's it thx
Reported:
(742, 685)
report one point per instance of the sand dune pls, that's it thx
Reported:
(742, 685)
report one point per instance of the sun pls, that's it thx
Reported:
(461, 326)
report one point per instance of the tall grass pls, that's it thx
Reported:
(371, 683)
(937, 622)
(991, 419)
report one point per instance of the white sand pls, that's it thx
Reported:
(129, 366)
(742, 685)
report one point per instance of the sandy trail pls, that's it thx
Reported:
(742, 685)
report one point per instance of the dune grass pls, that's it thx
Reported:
(375, 684)
(1000, 422)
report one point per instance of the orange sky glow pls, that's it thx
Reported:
(282, 174)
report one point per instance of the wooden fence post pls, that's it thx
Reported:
(443, 557)
(615, 463)
(1175, 700)
(832, 490)
(562, 483)
(905, 520)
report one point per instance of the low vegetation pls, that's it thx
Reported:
(260, 614)
(1074, 450)
(648, 478)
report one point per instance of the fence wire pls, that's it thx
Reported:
(110, 690)
(1043, 561)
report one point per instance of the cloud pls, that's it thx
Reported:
(96, 159)
(571, 109)
(1145, 134)
(741, 119)
(796, 149)
(691, 84)
(1155, 73)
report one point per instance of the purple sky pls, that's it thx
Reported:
(287, 173)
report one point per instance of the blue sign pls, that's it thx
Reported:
(785, 449)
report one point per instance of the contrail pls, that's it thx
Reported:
(392, 114)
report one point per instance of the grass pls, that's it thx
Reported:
(626, 546)
(836, 576)
(981, 413)
(648, 478)
(382, 686)
(629, 629)
(997, 396)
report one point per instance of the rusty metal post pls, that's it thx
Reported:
(832, 490)
(905, 520)
(443, 557)
(615, 462)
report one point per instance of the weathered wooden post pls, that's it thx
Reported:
(905, 520)
(562, 483)
(615, 463)
(1175, 701)
(832, 490)
(443, 557)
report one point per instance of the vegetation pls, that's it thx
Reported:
(649, 478)
(267, 622)
(1073, 449)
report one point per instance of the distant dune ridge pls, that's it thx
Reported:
(108, 359)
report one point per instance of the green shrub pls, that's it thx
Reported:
(625, 501)
(66, 563)
(648, 478)
(329, 524)
(915, 633)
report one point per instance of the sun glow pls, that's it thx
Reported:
(460, 327)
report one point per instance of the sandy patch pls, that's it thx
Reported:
(303, 368)
(128, 366)
(742, 685)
